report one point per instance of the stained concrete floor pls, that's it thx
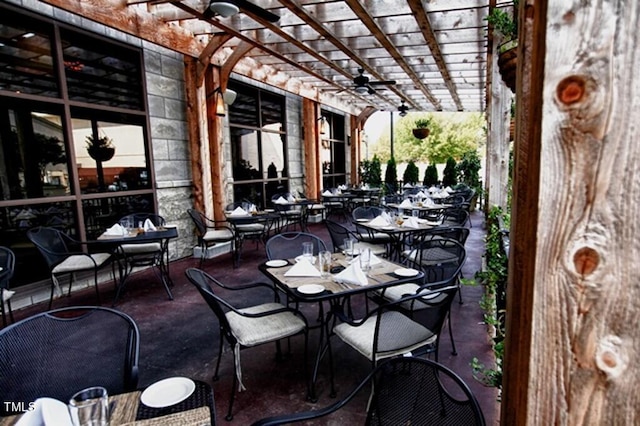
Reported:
(180, 338)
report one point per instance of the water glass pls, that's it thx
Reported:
(90, 407)
(307, 250)
(365, 259)
(348, 246)
(325, 263)
(414, 213)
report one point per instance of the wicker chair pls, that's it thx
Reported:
(57, 353)
(405, 391)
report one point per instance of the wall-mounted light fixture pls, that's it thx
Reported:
(324, 125)
(219, 99)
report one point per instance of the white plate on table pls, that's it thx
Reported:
(311, 289)
(277, 263)
(388, 228)
(406, 272)
(362, 220)
(167, 392)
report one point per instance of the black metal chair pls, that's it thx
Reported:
(63, 255)
(339, 233)
(7, 265)
(289, 245)
(210, 232)
(405, 391)
(248, 326)
(153, 254)
(56, 353)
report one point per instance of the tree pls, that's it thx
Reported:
(391, 176)
(469, 170)
(411, 173)
(371, 172)
(430, 175)
(449, 174)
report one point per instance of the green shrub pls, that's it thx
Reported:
(391, 176)
(411, 173)
(430, 176)
(449, 175)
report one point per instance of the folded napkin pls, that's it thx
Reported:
(281, 200)
(386, 216)
(239, 211)
(342, 186)
(379, 221)
(352, 274)
(433, 189)
(46, 412)
(448, 189)
(428, 202)
(411, 222)
(303, 268)
(291, 199)
(373, 260)
(420, 194)
(407, 185)
(311, 259)
(327, 193)
(405, 204)
(116, 230)
(148, 226)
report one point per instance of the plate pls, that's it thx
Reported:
(406, 272)
(277, 263)
(362, 220)
(167, 392)
(388, 228)
(311, 289)
(269, 210)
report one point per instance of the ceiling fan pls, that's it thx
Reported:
(364, 85)
(228, 8)
(402, 109)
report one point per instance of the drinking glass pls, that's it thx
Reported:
(414, 213)
(348, 246)
(365, 259)
(90, 407)
(325, 263)
(307, 250)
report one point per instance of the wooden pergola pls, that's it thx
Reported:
(572, 346)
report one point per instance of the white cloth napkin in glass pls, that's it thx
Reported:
(46, 412)
(379, 221)
(406, 204)
(281, 200)
(303, 268)
(239, 211)
(116, 230)
(411, 222)
(148, 226)
(352, 275)
(373, 260)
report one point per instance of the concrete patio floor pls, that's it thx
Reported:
(180, 338)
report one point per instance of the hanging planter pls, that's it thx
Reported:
(422, 128)
(101, 149)
(508, 63)
(420, 133)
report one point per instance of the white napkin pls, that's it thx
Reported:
(342, 186)
(379, 221)
(239, 211)
(407, 185)
(411, 222)
(373, 260)
(148, 226)
(428, 202)
(448, 189)
(352, 275)
(291, 199)
(327, 193)
(46, 412)
(433, 189)
(312, 259)
(281, 200)
(405, 204)
(386, 216)
(116, 230)
(303, 268)
(420, 194)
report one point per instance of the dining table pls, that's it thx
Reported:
(329, 288)
(161, 235)
(127, 409)
(255, 225)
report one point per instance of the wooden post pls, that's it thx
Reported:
(190, 72)
(312, 170)
(212, 83)
(572, 344)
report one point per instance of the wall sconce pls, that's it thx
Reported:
(324, 125)
(220, 108)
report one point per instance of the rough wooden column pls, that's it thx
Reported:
(312, 170)
(356, 131)
(190, 72)
(573, 346)
(212, 82)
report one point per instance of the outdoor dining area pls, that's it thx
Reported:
(315, 365)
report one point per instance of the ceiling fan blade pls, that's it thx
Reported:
(255, 9)
(382, 82)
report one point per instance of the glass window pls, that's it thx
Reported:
(33, 156)
(333, 152)
(26, 62)
(258, 147)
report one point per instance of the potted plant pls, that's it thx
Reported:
(100, 149)
(506, 24)
(421, 130)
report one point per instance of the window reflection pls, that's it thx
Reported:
(110, 156)
(33, 158)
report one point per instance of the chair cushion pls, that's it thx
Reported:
(398, 334)
(396, 292)
(376, 236)
(80, 262)
(255, 331)
(218, 235)
(144, 248)
(251, 227)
